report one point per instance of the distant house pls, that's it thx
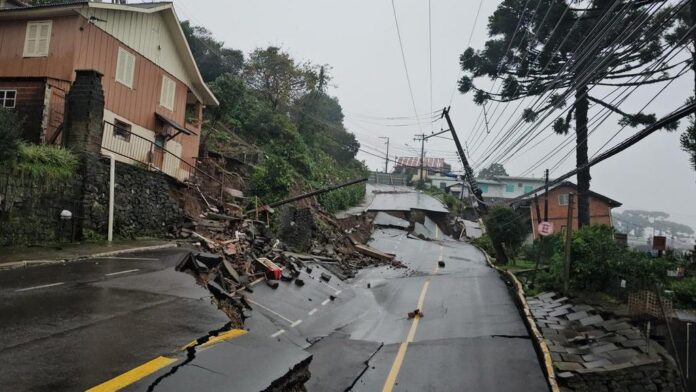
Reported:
(600, 207)
(505, 187)
(410, 166)
(154, 93)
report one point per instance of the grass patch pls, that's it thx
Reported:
(50, 163)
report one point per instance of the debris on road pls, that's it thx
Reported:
(441, 264)
(414, 314)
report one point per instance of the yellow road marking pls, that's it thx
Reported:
(398, 361)
(133, 375)
(231, 334)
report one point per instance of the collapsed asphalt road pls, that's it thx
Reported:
(85, 323)
(66, 327)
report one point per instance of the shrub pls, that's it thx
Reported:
(505, 226)
(271, 180)
(50, 163)
(685, 292)
(10, 131)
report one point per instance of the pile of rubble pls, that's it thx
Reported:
(234, 254)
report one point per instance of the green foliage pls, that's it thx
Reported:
(484, 242)
(50, 163)
(598, 263)
(688, 141)
(10, 131)
(495, 169)
(505, 226)
(272, 180)
(213, 59)
(685, 292)
(453, 203)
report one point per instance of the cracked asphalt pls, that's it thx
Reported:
(74, 326)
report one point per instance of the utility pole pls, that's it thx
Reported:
(546, 197)
(386, 158)
(541, 240)
(467, 168)
(569, 238)
(421, 138)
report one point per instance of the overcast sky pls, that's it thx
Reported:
(358, 39)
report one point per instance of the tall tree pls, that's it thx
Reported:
(495, 169)
(563, 48)
(212, 57)
(278, 77)
(687, 19)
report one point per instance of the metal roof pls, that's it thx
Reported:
(430, 163)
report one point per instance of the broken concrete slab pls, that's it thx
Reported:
(384, 219)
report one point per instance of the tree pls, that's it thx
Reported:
(212, 57)
(277, 77)
(567, 49)
(495, 169)
(507, 229)
(10, 132)
(680, 35)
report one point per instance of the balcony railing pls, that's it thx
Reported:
(140, 150)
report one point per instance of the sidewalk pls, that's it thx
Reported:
(14, 257)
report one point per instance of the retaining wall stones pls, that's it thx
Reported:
(144, 205)
(594, 354)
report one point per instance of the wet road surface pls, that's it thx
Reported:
(65, 329)
(87, 322)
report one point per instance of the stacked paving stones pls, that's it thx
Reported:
(593, 354)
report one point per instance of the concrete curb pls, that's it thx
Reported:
(538, 339)
(33, 263)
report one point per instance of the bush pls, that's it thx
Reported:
(50, 163)
(272, 180)
(505, 226)
(685, 292)
(10, 131)
(485, 243)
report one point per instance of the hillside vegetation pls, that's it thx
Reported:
(279, 105)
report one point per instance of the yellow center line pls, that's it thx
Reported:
(133, 375)
(401, 354)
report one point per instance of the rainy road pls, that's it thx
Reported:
(73, 326)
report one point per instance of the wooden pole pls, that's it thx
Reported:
(541, 241)
(256, 201)
(569, 239)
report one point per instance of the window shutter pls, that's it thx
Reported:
(120, 66)
(130, 69)
(168, 93)
(44, 38)
(32, 38)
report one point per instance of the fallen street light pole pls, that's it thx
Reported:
(310, 194)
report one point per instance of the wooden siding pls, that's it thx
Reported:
(147, 34)
(600, 211)
(77, 44)
(29, 104)
(54, 113)
(61, 55)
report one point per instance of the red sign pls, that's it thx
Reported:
(545, 229)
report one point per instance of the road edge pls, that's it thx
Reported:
(35, 263)
(539, 343)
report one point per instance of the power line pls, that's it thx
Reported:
(403, 58)
(430, 55)
(537, 124)
(471, 35)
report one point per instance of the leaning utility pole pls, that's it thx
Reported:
(569, 239)
(421, 138)
(386, 158)
(467, 168)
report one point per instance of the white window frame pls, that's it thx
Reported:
(125, 67)
(32, 49)
(168, 93)
(563, 199)
(4, 99)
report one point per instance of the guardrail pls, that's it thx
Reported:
(129, 147)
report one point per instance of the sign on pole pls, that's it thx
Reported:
(545, 229)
